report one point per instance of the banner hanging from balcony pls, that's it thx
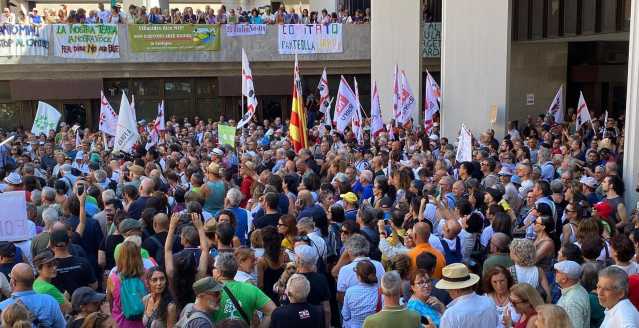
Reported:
(24, 40)
(244, 29)
(85, 41)
(309, 39)
(151, 38)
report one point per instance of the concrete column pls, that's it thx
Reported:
(475, 64)
(631, 137)
(396, 39)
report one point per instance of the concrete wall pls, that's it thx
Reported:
(631, 137)
(535, 69)
(396, 39)
(475, 64)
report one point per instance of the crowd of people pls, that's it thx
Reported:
(392, 231)
(142, 15)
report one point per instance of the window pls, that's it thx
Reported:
(146, 109)
(206, 87)
(5, 91)
(113, 91)
(178, 88)
(147, 88)
(9, 115)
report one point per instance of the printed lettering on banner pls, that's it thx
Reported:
(232, 30)
(86, 41)
(24, 40)
(13, 217)
(309, 38)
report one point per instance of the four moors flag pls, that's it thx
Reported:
(356, 120)
(431, 104)
(297, 127)
(583, 115)
(324, 101)
(397, 114)
(108, 118)
(248, 91)
(377, 123)
(345, 106)
(126, 134)
(556, 107)
(407, 101)
(158, 125)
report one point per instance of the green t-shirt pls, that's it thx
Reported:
(250, 298)
(43, 287)
(143, 252)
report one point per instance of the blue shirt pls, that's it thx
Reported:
(363, 192)
(360, 301)
(547, 171)
(44, 307)
(241, 221)
(424, 310)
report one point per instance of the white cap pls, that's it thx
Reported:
(306, 254)
(570, 268)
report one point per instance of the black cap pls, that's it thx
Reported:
(85, 295)
(59, 238)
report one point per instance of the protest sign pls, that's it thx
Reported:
(83, 41)
(226, 135)
(24, 40)
(244, 29)
(432, 40)
(169, 37)
(13, 217)
(309, 38)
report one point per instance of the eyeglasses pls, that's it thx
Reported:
(424, 283)
(344, 231)
(281, 225)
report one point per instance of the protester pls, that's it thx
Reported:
(299, 313)
(392, 313)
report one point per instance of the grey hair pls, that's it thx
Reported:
(298, 288)
(556, 186)
(618, 276)
(108, 195)
(235, 197)
(357, 245)
(226, 264)
(100, 175)
(48, 193)
(36, 197)
(391, 284)
(368, 175)
(306, 223)
(50, 216)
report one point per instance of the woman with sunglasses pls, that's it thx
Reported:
(46, 266)
(287, 227)
(525, 299)
(422, 301)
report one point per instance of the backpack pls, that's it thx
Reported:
(452, 256)
(477, 256)
(190, 315)
(131, 293)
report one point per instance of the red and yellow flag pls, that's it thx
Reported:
(297, 127)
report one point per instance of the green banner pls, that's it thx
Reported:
(226, 135)
(150, 38)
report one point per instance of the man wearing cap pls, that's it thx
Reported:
(73, 271)
(44, 307)
(46, 267)
(511, 194)
(8, 257)
(574, 298)
(207, 302)
(588, 187)
(85, 301)
(13, 182)
(467, 309)
(350, 205)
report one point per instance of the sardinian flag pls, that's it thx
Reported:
(324, 101)
(78, 140)
(583, 114)
(356, 120)
(377, 123)
(248, 91)
(108, 118)
(556, 107)
(346, 105)
(431, 102)
(158, 125)
(407, 101)
(396, 96)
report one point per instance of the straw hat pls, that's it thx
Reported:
(456, 276)
(213, 168)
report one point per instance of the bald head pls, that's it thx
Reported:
(22, 277)
(160, 222)
(422, 232)
(452, 228)
(499, 243)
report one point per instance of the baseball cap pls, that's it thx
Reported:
(85, 295)
(59, 238)
(570, 268)
(129, 224)
(349, 197)
(13, 179)
(207, 285)
(306, 254)
(218, 152)
(588, 181)
(386, 202)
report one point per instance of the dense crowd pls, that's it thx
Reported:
(389, 232)
(142, 15)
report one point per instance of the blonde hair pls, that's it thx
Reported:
(524, 251)
(551, 315)
(16, 315)
(129, 261)
(527, 293)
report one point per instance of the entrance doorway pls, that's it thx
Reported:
(75, 113)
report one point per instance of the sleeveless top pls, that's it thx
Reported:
(529, 275)
(116, 305)
(523, 324)
(614, 202)
(271, 276)
(215, 200)
(152, 321)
